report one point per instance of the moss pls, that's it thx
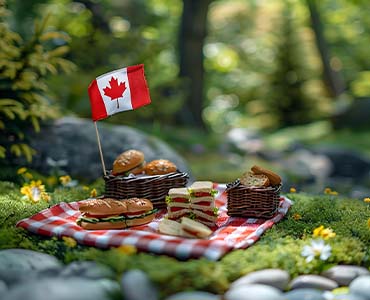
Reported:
(279, 247)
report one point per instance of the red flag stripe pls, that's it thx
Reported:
(96, 101)
(138, 86)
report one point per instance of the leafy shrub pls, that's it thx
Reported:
(24, 67)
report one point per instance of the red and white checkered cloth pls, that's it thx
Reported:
(232, 232)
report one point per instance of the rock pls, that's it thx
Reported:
(254, 292)
(361, 286)
(196, 295)
(18, 265)
(136, 285)
(345, 162)
(348, 297)
(3, 289)
(344, 274)
(273, 277)
(70, 145)
(64, 289)
(353, 115)
(304, 294)
(314, 282)
(88, 270)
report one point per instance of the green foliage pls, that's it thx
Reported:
(24, 68)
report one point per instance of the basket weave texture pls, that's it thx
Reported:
(155, 187)
(252, 202)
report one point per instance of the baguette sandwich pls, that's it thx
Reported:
(109, 213)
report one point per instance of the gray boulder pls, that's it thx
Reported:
(70, 145)
(64, 289)
(17, 265)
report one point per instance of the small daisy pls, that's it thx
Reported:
(318, 248)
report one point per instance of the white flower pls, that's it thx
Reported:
(318, 248)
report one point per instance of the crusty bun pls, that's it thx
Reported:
(160, 167)
(129, 161)
(104, 206)
(251, 179)
(138, 204)
(102, 225)
(274, 178)
(117, 225)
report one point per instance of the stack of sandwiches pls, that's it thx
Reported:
(196, 202)
(178, 203)
(202, 203)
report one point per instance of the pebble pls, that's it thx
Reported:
(254, 292)
(361, 286)
(314, 282)
(344, 274)
(87, 269)
(197, 295)
(61, 289)
(274, 277)
(26, 260)
(19, 265)
(3, 288)
(348, 297)
(136, 285)
(304, 294)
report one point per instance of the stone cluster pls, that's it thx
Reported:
(31, 275)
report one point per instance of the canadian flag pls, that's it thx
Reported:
(119, 90)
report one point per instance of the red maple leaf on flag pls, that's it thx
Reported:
(115, 90)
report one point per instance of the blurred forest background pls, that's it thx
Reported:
(232, 82)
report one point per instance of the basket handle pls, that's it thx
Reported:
(232, 185)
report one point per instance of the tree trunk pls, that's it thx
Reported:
(192, 34)
(332, 78)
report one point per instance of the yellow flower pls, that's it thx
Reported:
(317, 231)
(327, 191)
(70, 242)
(85, 188)
(297, 217)
(64, 180)
(127, 249)
(35, 191)
(21, 170)
(367, 200)
(93, 193)
(327, 233)
(293, 190)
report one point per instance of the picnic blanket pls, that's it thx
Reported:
(231, 233)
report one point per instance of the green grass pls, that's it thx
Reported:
(279, 247)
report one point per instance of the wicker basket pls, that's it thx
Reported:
(252, 202)
(155, 188)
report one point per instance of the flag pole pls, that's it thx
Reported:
(99, 145)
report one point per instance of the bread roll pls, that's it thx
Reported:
(251, 179)
(130, 161)
(274, 178)
(160, 167)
